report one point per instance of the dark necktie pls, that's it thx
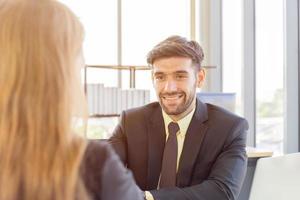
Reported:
(169, 163)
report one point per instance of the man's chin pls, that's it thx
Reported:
(171, 111)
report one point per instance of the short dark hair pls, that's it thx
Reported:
(177, 46)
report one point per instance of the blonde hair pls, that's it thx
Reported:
(40, 90)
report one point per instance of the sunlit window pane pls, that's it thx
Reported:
(232, 49)
(100, 22)
(100, 42)
(269, 74)
(145, 23)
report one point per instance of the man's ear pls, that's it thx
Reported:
(152, 76)
(201, 77)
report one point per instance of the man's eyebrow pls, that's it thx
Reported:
(158, 73)
(181, 72)
(176, 72)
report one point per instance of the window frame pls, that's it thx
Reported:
(291, 140)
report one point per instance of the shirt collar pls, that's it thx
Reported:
(182, 123)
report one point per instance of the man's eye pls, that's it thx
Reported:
(180, 76)
(159, 78)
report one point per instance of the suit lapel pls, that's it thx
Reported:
(192, 143)
(156, 138)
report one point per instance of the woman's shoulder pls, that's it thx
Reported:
(100, 162)
(97, 150)
(96, 154)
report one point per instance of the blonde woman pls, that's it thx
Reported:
(40, 97)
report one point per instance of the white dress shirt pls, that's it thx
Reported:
(183, 125)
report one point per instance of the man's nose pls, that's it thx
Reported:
(170, 86)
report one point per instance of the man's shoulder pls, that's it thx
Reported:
(225, 123)
(140, 116)
(221, 114)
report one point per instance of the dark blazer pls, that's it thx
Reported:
(213, 161)
(104, 175)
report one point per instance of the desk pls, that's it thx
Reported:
(257, 153)
(253, 155)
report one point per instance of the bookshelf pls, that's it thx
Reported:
(132, 70)
(114, 96)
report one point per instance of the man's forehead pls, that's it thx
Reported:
(173, 59)
(173, 68)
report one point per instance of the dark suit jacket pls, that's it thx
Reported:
(98, 164)
(213, 161)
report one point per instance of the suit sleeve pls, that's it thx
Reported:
(117, 182)
(119, 140)
(226, 176)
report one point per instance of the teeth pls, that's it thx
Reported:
(172, 97)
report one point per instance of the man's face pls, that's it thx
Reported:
(175, 80)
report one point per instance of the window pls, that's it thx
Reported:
(232, 53)
(269, 75)
(100, 42)
(156, 20)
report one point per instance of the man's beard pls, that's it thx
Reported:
(181, 107)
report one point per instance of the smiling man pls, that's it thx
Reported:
(180, 148)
